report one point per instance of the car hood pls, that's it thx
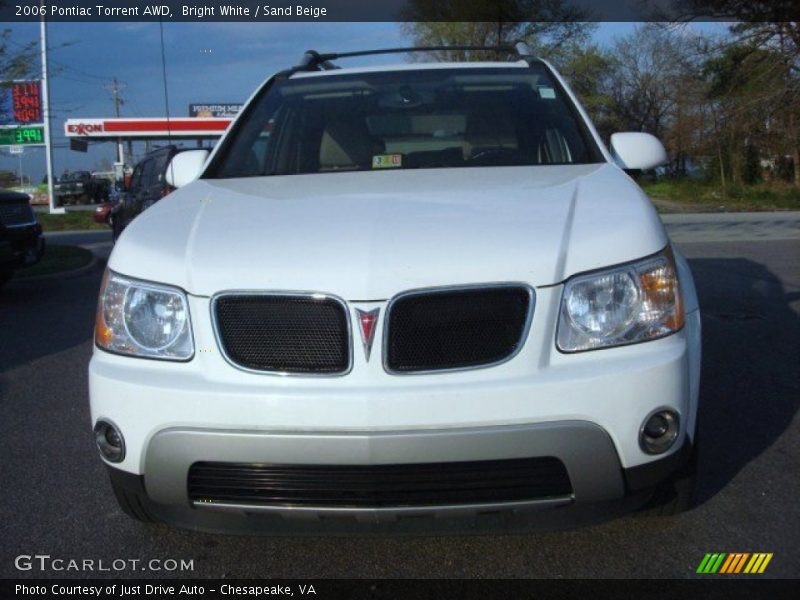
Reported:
(9, 197)
(370, 235)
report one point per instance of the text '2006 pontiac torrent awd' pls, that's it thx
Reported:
(424, 290)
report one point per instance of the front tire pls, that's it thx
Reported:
(116, 229)
(132, 504)
(675, 494)
(5, 275)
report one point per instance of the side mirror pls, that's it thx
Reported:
(636, 150)
(185, 167)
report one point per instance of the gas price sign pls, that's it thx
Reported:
(21, 136)
(27, 100)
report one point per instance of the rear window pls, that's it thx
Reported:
(433, 118)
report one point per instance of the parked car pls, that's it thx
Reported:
(21, 240)
(80, 187)
(425, 290)
(102, 212)
(148, 185)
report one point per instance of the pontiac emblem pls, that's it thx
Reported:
(367, 321)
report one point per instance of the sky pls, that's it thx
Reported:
(206, 63)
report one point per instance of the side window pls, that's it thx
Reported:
(149, 174)
(136, 178)
(161, 164)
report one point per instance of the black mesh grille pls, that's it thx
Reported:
(294, 334)
(15, 213)
(373, 486)
(456, 329)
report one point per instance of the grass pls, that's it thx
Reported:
(697, 196)
(70, 221)
(57, 259)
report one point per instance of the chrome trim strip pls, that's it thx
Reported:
(387, 512)
(294, 294)
(34, 222)
(455, 288)
(367, 343)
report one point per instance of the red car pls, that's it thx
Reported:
(102, 212)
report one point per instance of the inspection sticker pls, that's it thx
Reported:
(547, 92)
(387, 161)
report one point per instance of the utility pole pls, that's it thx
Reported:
(48, 146)
(115, 88)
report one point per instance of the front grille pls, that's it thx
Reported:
(15, 213)
(453, 329)
(281, 333)
(376, 486)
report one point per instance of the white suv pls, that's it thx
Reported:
(422, 290)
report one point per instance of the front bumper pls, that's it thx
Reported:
(584, 409)
(22, 246)
(606, 489)
(585, 449)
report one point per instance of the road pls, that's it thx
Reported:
(57, 501)
(98, 241)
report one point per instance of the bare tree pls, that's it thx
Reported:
(16, 62)
(767, 38)
(545, 25)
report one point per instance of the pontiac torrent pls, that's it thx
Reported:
(426, 292)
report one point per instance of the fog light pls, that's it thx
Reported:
(109, 441)
(112, 437)
(659, 431)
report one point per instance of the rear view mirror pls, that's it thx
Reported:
(637, 150)
(185, 167)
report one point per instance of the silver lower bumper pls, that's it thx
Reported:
(585, 449)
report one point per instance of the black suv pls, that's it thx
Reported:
(80, 187)
(21, 241)
(148, 185)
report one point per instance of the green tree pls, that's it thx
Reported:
(747, 92)
(767, 42)
(8, 179)
(588, 69)
(547, 26)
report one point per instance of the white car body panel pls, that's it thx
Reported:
(365, 237)
(361, 236)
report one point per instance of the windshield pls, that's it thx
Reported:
(432, 118)
(76, 176)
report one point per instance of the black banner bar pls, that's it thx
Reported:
(397, 10)
(712, 587)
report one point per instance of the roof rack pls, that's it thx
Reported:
(316, 61)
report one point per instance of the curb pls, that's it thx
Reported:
(87, 268)
(75, 231)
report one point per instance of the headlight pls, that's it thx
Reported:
(623, 305)
(143, 319)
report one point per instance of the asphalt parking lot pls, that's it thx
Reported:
(56, 499)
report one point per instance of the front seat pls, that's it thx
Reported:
(347, 145)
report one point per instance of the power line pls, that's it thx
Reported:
(164, 75)
(62, 64)
(115, 88)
